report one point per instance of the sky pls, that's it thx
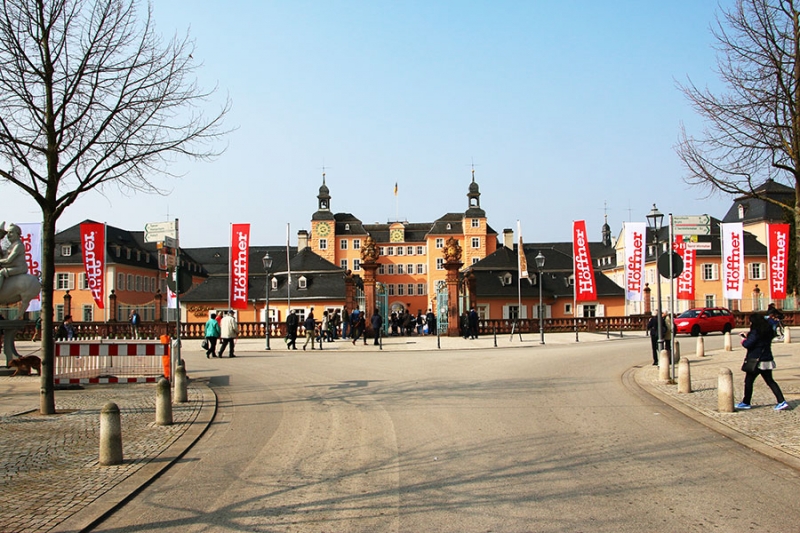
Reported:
(565, 111)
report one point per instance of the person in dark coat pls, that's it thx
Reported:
(360, 328)
(377, 325)
(652, 329)
(758, 342)
(430, 321)
(292, 323)
(473, 323)
(310, 325)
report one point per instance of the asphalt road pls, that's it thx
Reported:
(543, 438)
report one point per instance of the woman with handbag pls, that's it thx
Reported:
(759, 361)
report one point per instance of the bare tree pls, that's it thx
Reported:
(753, 130)
(90, 96)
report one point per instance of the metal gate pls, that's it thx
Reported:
(441, 307)
(382, 301)
(361, 300)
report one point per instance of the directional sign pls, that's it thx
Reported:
(692, 224)
(157, 231)
(698, 245)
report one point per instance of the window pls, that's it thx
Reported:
(391, 269)
(440, 263)
(153, 286)
(88, 313)
(711, 300)
(567, 309)
(410, 250)
(757, 271)
(66, 250)
(439, 243)
(476, 242)
(589, 311)
(400, 250)
(356, 264)
(400, 289)
(356, 244)
(382, 250)
(710, 271)
(65, 281)
(420, 250)
(511, 312)
(302, 283)
(83, 281)
(410, 289)
(391, 289)
(343, 264)
(420, 268)
(146, 284)
(323, 244)
(381, 269)
(742, 211)
(475, 223)
(400, 269)
(343, 244)
(390, 250)
(131, 282)
(59, 312)
(127, 253)
(409, 268)
(138, 283)
(420, 289)
(347, 227)
(274, 284)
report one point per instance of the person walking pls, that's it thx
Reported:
(345, 323)
(758, 342)
(212, 333)
(323, 327)
(473, 323)
(134, 318)
(228, 330)
(377, 325)
(360, 328)
(430, 321)
(652, 329)
(310, 325)
(292, 323)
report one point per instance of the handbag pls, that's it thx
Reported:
(750, 364)
(204, 344)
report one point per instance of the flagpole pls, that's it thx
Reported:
(230, 258)
(574, 286)
(106, 284)
(519, 270)
(288, 274)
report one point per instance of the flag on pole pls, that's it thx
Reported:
(32, 239)
(522, 261)
(395, 188)
(239, 266)
(585, 288)
(94, 258)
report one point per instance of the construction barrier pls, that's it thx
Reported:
(110, 362)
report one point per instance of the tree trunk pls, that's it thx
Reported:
(47, 399)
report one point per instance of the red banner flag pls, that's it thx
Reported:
(686, 279)
(778, 254)
(239, 265)
(93, 246)
(585, 288)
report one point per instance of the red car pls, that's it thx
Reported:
(703, 320)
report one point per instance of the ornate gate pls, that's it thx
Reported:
(441, 307)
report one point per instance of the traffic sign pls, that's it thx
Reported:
(663, 265)
(158, 231)
(698, 245)
(692, 224)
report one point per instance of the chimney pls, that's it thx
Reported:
(508, 238)
(302, 240)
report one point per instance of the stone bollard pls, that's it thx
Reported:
(787, 335)
(181, 384)
(163, 403)
(700, 351)
(725, 391)
(727, 336)
(663, 365)
(684, 377)
(677, 351)
(110, 435)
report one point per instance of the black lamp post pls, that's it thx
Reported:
(655, 220)
(267, 260)
(539, 267)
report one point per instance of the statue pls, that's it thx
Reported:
(16, 285)
(452, 251)
(369, 251)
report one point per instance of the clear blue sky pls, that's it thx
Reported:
(564, 108)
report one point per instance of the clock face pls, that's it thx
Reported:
(396, 235)
(323, 229)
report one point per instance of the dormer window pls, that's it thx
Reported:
(742, 210)
(66, 250)
(274, 284)
(302, 283)
(449, 227)
(506, 279)
(347, 227)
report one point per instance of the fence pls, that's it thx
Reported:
(104, 362)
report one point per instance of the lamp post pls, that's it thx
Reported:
(267, 260)
(655, 219)
(539, 267)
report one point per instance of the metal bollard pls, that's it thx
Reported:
(684, 377)
(725, 391)
(181, 384)
(700, 351)
(163, 403)
(787, 335)
(727, 336)
(663, 365)
(110, 435)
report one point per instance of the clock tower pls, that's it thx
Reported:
(323, 225)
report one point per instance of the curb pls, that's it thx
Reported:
(118, 496)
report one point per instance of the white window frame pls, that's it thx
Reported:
(323, 244)
(65, 281)
(709, 271)
(343, 244)
(302, 282)
(475, 223)
(440, 263)
(343, 264)
(439, 243)
(356, 265)
(476, 242)
(66, 250)
(420, 250)
(757, 270)
(356, 244)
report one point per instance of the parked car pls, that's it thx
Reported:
(704, 320)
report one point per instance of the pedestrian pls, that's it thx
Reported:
(463, 324)
(407, 323)
(134, 319)
(473, 323)
(292, 323)
(37, 328)
(377, 325)
(228, 331)
(652, 328)
(394, 321)
(323, 328)
(430, 321)
(66, 331)
(360, 328)
(758, 342)
(666, 324)
(310, 325)
(337, 325)
(345, 322)
(212, 333)
(354, 321)
(420, 321)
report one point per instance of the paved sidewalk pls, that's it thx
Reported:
(53, 482)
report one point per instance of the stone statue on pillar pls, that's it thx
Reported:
(452, 264)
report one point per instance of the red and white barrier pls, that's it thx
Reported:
(79, 362)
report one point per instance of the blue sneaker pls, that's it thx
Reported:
(745, 405)
(781, 406)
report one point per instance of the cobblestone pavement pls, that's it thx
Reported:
(775, 433)
(53, 483)
(50, 464)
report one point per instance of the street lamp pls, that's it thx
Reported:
(539, 267)
(267, 260)
(655, 219)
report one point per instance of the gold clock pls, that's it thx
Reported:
(323, 229)
(396, 235)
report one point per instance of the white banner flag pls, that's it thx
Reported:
(732, 260)
(172, 299)
(635, 233)
(32, 238)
